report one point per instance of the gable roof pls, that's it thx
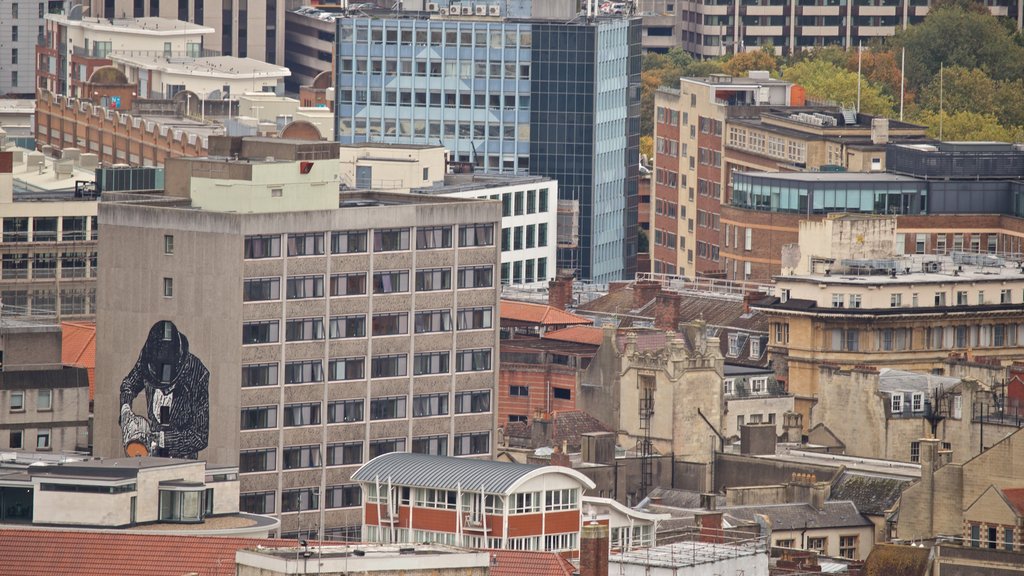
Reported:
(448, 473)
(799, 516)
(539, 314)
(529, 563)
(581, 334)
(78, 349)
(870, 494)
(29, 552)
(1015, 498)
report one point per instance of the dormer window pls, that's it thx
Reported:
(917, 402)
(734, 344)
(755, 348)
(896, 403)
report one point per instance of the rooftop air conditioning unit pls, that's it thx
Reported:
(455, 9)
(431, 7)
(467, 10)
(494, 10)
(481, 10)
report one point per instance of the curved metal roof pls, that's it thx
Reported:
(447, 473)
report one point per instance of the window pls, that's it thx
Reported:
(305, 287)
(476, 235)
(385, 446)
(424, 405)
(259, 417)
(467, 444)
(474, 318)
(542, 198)
(344, 454)
(895, 300)
(522, 391)
(259, 375)
(16, 439)
(430, 363)
(848, 547)
(340, 411)
(16, 401)
(847, 340)
(347, 496)
(519, 203)
(473, 360)
(303, 329)
(433, 321)
(301, 457)
(561, 393)
(348, 327)
(264, 460)
(940, 298)
(387, 408)
(168, 244)
(391, 240)
(302, 414)
(348, 284)
(838, 300)
(476, 277)
(261, 289)
(388, 366)
(755, 348)
(896, 403)
(303, 372)
(525, 503)
(168, 287)
(915, 451)
(917, 402)
(567, 499)
(1006, 296)
(819, 545)
(262, 247)
(306, 244)
(43, 439)
(785, 543)
(348, 242)
(262, 332)
(961, 298)
(855, 300)
(299, 499)
(542, 238)
(1007, 532)
(390, 324)
(390, 282)
(435, 445)
(433, 279)
(433, 238)
(473, 402)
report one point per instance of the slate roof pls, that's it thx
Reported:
(567, 426)
(529, 563)
(890, 381)
(871, 495)
(675, 498)
(448, 473)
(897, 560)
(539, 314)
(800, 515)
(28, 552)
(78, 349)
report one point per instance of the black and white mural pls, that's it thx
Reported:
(176, 386)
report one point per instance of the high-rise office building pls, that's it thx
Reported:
(544, 92)
(246, 318)
(21, 27)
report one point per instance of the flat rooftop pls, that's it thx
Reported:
(916, 269)
(150, 26)
(455, 183)
(690, 553)
(831, 176)
(368, 552)
(853, 463)
(227, 67)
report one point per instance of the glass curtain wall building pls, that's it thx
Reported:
(547, 97)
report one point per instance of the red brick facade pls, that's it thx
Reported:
(666, 186)
(540, 383)
(708, 261)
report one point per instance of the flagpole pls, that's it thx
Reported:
(941, 113)
(903, 79)
(860, 56)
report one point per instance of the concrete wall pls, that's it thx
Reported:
(754, 405)
(396, 169)
(80, 508)
(66, 420)
(736, 470)
(31, 349)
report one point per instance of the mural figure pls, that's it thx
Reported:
(176, 384)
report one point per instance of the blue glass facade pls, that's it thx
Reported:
(552, 98)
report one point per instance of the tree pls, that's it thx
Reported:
(960, 90)
(742, 63)
(952, 36)
(825, 81)
(666, 70)
(968, 126)
(879, 66)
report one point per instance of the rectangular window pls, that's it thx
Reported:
(348, 284)
(474, 318)
(341, 411)
(347, 496)
(521, 391)
(299, 499)
(819, 545)
(517, 238)
(542, 200)
(385, 446)
(345, 454)
(304, 329)
(473, 402)
(168, 242)
(257, 502)
(565, 499)
(346, 369)
(848, 547)
(391, 240)
(307, 414)
(519, 203)
(306, 244)
(259, 417)
(915, 451)
(561, 393)
(433, 279)
(430, 363)
(896, 403)
(469, 444)
(388, 366)
(261, 289)
(264, 460)
(476, 277)
(352, 242)
(262, 247)
(261, 332)
(473, 360)
(476, 235)
(390, 324)
(168, 287)
(917, 402)
(433, 321)
(347, 327)
(300, 287)
(435, 445)
(259, 375)
(301, 457)
(424, 405)
(16, 439)
(303, 372)
(387, 408)
(391, 282)
(433, 238)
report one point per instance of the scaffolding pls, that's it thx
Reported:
(644, 448)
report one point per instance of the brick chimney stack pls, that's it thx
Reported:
(560, 291)
(710, 525)
(644, 291)
(667, 311)
(594, 550)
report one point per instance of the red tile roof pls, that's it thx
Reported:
(540, 314)
(79, 349)
(529, 563)
(1015, 496)
(582, 334)
(80, 553)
